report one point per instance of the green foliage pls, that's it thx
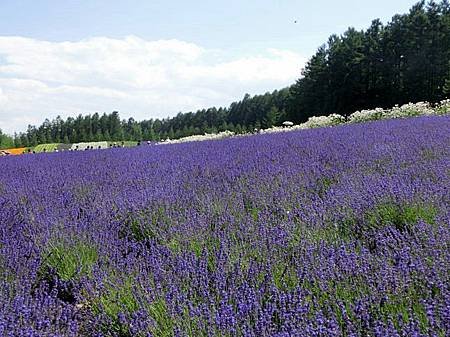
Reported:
(447, 87)
(400, 216)
(121, 297)
(164, 324)
(263, 110)
(6, 141)
(46, 147)
(118, 298)
(284, 276)
(331, 233)
(5, 273)
(70, 261)
(142, 225)
(323, 184)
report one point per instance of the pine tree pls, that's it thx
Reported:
(447, 87)
(271, 117)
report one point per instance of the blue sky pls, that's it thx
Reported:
(69, 57)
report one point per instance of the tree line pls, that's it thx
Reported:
(260, 111)
(406, 60)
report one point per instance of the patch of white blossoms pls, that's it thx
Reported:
(197, 138)
(322, 121)
(404, 111)
(443, 108)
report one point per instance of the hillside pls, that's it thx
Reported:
(322, 232)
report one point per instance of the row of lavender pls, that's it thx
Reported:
(327, 232)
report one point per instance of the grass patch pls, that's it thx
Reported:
(70, 262)
(146, 224)
(323, 184)
(63, 265)
(46, 147)
(331, 233)
(402, 217)
(122, 299)
(164, 324)
(117, 299)
(284, 276)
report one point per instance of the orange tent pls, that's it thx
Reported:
(16, 151)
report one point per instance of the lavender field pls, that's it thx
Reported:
(340, 231)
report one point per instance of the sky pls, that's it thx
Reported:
(153, 59)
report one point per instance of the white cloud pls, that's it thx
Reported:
(139, 78)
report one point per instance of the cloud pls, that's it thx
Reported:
(139, 78)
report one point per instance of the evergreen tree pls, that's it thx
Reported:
(6, 141)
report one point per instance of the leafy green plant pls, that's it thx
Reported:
(117, 298)
(122, 298)
(70, 261)
(401, 216)
(164, 324)
(284, 276)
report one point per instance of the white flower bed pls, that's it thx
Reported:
(366, 115)
(444, 107)
(404, 111)
(197, 138)
(323, 121)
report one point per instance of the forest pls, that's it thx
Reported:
(405, 60)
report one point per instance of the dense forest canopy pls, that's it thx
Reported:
(404, 61)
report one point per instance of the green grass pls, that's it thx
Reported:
(70, 262)
(122, 298)
(164, 324)
(401, 216)
(116, 299)
(331, 233)
(284, 276)
(46, 147)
